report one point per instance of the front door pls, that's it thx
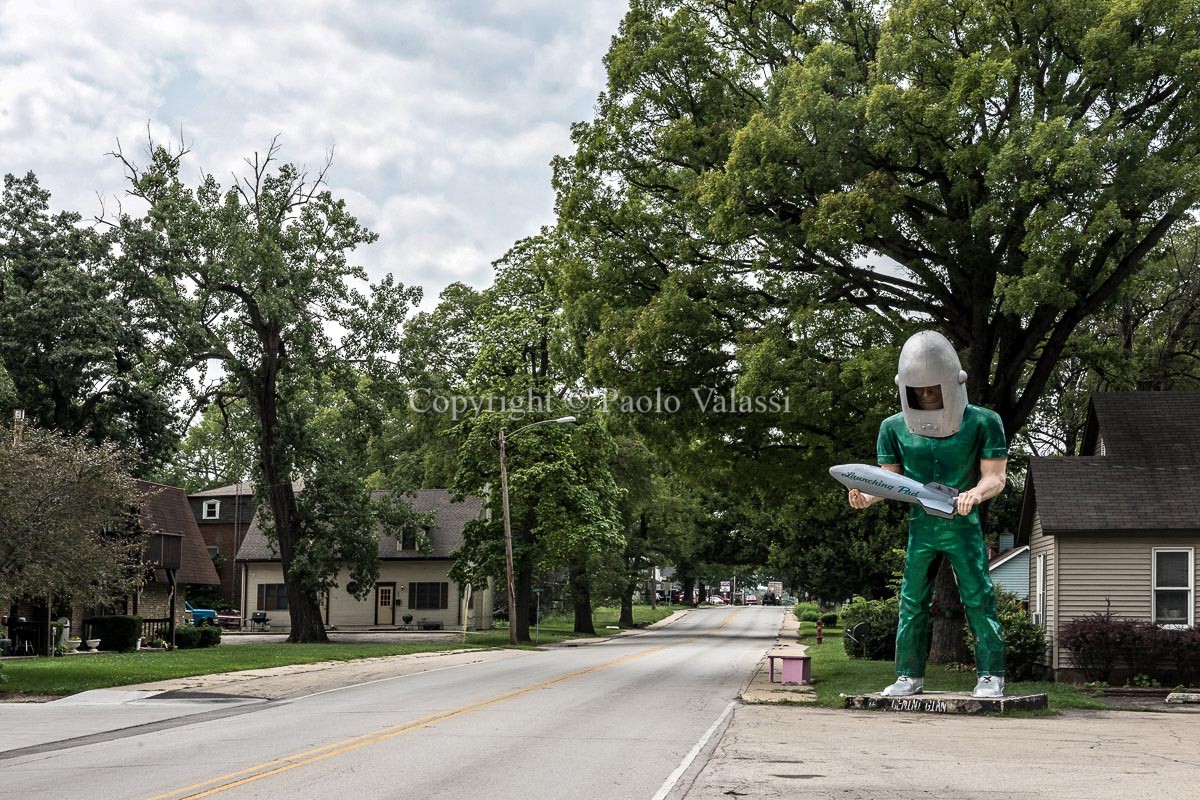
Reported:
(385, 604)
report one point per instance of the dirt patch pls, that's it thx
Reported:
(22, 697)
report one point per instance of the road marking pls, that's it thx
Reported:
(286, 763)
(669, 783)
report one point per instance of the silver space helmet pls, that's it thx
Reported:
(928, 359)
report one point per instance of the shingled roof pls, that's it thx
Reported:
(445, 536)
(1101, 494)
(1147, 428)
(165, 509)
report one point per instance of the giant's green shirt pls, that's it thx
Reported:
(952, 460)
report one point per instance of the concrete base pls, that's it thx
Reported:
(947, 703)
(1183, 697)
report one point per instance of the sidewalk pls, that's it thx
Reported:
(780, 745)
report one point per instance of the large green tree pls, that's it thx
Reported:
(996, 170)
(756, 167)
(80, 357)
(255, 281)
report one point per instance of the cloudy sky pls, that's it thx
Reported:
(444, 114)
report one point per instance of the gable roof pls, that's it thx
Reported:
(445, 536)
(1145, 427)
(1103, 494)
(1006, 556)
(165, 509)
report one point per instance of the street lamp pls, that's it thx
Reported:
(508, 547)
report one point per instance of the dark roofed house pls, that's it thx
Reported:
(1117, 527)
(413, 581)
(165, 510)
(223, 515)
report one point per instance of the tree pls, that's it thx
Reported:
(80, 358)
(66, 519)
(562, 495)
(256, 279)
(996, 171)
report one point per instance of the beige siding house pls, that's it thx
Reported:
(1117, 529)
(414, 590)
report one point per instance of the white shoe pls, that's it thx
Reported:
(989, 686)
(904, 686)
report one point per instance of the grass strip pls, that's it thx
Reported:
(835, 674)
(81, 672)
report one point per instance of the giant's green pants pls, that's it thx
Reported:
(963, 545)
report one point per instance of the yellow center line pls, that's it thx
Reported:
(286, 763)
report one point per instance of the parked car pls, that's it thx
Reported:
(716, 600)
(200, 616)
(751, 599)
(770, 599)
(229, 618)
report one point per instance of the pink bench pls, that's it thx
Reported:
(795, 669)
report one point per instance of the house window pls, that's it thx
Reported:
(1039, 595)
(272, 597)
(212, 509)
(385, 596)
(428, 595)
(1173, 587)
(213, 551)
(408, 539)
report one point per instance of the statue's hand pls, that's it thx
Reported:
(966, 501)
(858, 499)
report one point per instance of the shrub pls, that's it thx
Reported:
(1095, 643)
(210, 636)
(124, 633)
(118, 632)
(807, 612)
(1184, 647)
(1145, 647)
(876, 639)
(188, 637)
(1024, 642)
(829, 619)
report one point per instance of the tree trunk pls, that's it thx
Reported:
(518, 617)
(304, 609)
(581, 595)
(947, 643)
(626, 620)
(685, 582)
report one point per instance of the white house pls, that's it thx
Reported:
(413, 590)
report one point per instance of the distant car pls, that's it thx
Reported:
(229, 618)
(770, 599)
(716, 600)
(751, 600)
(201, 616)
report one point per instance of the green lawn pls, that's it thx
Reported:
(835, 674)
(78, 673)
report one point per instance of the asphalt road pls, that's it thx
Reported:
(619, 719)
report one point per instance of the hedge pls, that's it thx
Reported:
(188, 637)
(1100, 644)
(118, 632)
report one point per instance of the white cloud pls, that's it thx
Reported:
(444, 113)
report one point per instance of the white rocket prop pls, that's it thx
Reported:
(937, 499)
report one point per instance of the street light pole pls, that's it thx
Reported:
(508, 544)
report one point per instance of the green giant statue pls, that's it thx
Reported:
(939, 438)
